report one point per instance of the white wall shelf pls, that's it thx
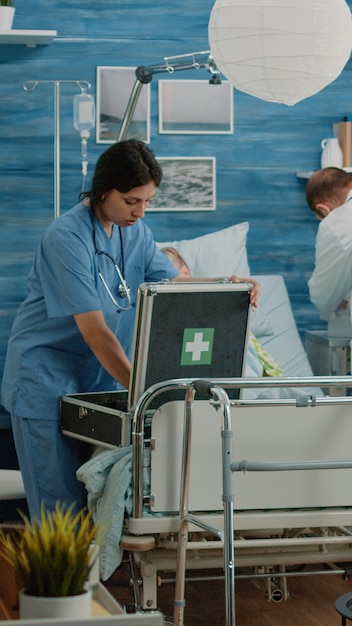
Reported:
(305, 174)
(29, 38)
(308, 174)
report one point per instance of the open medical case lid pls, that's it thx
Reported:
(182, 330)
(188, 330)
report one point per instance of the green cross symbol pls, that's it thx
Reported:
(197, 346)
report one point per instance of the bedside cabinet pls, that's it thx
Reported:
(328, 356)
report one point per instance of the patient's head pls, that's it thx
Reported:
(177, 260)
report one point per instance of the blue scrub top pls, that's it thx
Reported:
(47, 356)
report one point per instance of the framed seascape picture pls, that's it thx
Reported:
(188, 184)
(114, 87)
(195, 107)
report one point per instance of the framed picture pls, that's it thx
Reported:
(188, 184)
(114, 87)
(195, 107)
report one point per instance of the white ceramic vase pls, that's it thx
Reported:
(70, 607)
(331, 155)
(6, 17)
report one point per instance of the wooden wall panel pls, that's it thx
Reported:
(256, 166)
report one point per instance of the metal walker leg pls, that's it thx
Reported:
(228, 535)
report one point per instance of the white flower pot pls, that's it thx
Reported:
(6, 17)
(36, 607)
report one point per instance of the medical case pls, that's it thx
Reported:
(98, 418)
(182, 330)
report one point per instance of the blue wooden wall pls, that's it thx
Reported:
(256, 166)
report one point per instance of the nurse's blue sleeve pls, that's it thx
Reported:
(158, 265)
(65, 267)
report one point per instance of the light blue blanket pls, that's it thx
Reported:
(107, 477)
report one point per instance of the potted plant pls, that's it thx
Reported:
(7, 13)
(53, 556)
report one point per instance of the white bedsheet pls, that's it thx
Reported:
(280, 338)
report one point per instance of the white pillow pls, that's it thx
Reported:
(221, 253)
(217, 254)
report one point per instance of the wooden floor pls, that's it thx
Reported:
(311, 599)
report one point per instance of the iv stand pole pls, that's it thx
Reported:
(145, 74)
(29, 86)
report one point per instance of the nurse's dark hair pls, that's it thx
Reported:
(123, 166)
(328, 185)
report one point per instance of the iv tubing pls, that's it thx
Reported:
(57, 149)
(85, 134)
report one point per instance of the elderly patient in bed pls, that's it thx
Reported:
(258, 360)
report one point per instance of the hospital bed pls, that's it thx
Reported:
(290, 494)
(283, 520)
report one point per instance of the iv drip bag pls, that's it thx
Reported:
(83, 112)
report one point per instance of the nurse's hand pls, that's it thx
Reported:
(254, 291)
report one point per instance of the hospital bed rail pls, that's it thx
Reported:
(184, 384)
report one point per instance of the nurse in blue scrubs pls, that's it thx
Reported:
(73, 333)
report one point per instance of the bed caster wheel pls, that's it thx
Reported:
(277, 595)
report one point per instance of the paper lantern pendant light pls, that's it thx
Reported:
(280, 50)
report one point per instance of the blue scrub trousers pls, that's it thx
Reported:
(48, 461)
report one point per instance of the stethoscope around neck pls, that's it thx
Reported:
(123, 289)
